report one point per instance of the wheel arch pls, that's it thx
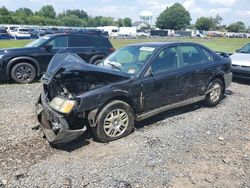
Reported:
(221, 77)
(26, 59)
(92, 114)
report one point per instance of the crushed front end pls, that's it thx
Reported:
(62, 108)
(58, 127)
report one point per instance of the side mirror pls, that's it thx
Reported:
(48, 47)
(237, 50)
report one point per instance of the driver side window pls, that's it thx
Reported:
(59, 42)
(167, 59)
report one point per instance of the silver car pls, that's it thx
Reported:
(241, 62)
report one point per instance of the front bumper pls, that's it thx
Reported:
(228, 79)
(55, 126)
(241, 72)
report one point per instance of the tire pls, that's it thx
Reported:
(110, 126)
(215, 96)
(96, 61)
(23, 73)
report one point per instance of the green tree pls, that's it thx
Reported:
(120, 22)
(24, 12)
(36, 20)
(72, 21)
(47, 11)
(100, 21)
(127, 22)
(5, 16)
(4, 11)
(78, 13)
(216, 21)
(175, 17)
(236, 27)
(204, 23)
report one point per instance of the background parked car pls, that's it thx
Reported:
(4, 34)
(21, 33)
(241, 62)
(10, 30)
(24, 65)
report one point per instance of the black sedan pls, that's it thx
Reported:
(134, 83)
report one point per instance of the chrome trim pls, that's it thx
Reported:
(169, 107)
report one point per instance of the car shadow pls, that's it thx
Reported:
(6, 82)
(242, 81)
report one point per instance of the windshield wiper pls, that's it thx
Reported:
(114, 66)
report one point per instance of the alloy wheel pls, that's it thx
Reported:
(116, 123)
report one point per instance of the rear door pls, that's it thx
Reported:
(83, 46)
(198, 66)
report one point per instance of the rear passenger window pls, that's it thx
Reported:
(191, 55)
(207, 54)
(79, 41)
(101, 42)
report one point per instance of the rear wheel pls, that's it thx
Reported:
(23, 73)
(115, 120)
(216, 89)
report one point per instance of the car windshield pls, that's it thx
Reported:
(245, 49)
(129, 59)
(37, 42)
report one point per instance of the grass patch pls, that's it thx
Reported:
(219, 44)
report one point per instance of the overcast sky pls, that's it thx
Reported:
(230, 10)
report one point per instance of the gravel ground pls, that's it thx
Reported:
(193, 146)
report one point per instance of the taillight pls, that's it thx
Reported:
(111, 49)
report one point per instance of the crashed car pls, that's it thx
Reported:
(241, 62)
(134, 83)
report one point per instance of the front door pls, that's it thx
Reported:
(45, 55)
(163, 82)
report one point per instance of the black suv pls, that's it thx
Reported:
(132, 84)
(24, 65)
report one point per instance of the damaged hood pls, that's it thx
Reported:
(71, 63)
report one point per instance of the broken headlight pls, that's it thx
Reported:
(62, 105)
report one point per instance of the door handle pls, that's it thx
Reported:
(198, 71)
(179, 77)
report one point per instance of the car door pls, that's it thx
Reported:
(49, 49)
(163, 82)
(83, 46)
(198, 67)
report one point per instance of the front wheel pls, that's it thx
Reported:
(115, 120)
(23, 73)
(216, 89)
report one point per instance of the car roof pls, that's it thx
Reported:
(69, 34)
(161, 44)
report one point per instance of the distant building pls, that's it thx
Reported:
(146, 16)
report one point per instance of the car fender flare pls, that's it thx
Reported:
(220, 75)
(95, 57)
(24, 58)
(117, 95)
